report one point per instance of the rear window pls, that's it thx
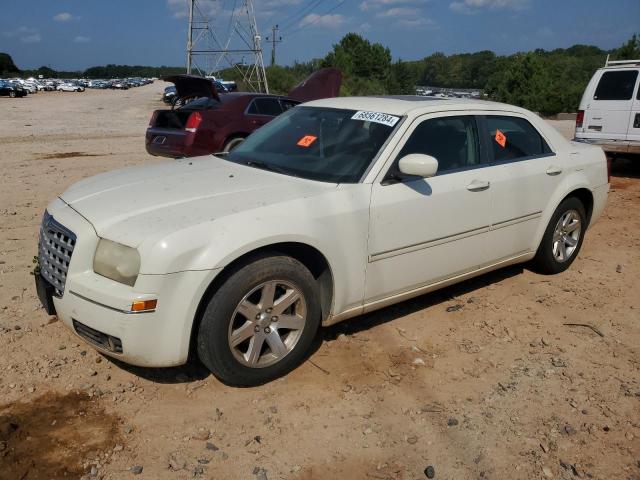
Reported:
(265, 106)
(617, 85)
(202, 103)
(513, 138)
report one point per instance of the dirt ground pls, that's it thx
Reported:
(483, 380)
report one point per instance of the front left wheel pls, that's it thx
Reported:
(261, 322)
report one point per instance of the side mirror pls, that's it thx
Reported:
(424, 166)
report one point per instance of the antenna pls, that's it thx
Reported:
(222, 36)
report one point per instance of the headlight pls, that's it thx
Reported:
(117, 262)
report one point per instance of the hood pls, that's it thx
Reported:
(325, 83)
(132, 205)
(193, 86)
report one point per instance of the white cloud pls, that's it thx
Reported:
(25, 34)
(416, 23)
(82, 39)
(208, 8)
(398, 12)
(33, 38)
(368, 5)
(63, 17)
(471, 7)
(19, 31)
(330, 21)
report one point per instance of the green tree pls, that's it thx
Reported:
(629, 50)
(7, 67)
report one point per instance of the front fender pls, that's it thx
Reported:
(335, 224)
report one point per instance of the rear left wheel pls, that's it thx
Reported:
(232, 143)
(261, 322)
(562, 238)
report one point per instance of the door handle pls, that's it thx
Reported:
(478, 186)
(553, 170)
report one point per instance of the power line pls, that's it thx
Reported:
(302, 27)
(293, 19)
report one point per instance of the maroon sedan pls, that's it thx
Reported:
(212, 122)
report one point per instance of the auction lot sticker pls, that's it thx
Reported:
(377, 117)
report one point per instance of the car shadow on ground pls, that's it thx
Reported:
(393, 312)
(626, 166)
(194, 370)
(190, 372)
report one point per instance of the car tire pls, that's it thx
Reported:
(232, 143)
(12, 94)
(241, 338)
(562, 239)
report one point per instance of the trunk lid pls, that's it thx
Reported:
(325, 83)
(193, 86)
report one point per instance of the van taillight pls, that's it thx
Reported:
(193, 122)
(579, 118)
(154, 117)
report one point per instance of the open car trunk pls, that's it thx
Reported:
(325, 83)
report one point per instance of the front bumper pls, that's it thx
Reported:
(97, 309)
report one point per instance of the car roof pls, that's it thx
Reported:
(404, 104)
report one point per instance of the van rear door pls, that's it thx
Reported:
(633, 134)
(607, 113)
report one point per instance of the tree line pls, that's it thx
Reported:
(546, 81)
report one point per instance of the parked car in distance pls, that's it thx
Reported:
(335, 208)
(12, 90)
(70, 87)
(169, 94)
(609, 113)
(209, 121)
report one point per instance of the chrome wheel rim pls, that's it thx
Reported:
(566, 236)
(267, 324)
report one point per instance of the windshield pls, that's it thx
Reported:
(322, 144)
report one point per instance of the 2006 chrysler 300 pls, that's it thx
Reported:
(336, 208)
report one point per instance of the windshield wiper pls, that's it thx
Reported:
(267, 166)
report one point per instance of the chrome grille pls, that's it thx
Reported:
(54, 252)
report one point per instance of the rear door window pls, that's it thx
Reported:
(265, 106)
(618, 85)
(514, 138)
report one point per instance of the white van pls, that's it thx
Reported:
(609, 113)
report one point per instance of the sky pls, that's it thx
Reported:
(76, 34)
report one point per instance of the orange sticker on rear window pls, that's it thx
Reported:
(501, 139)
(306, 141)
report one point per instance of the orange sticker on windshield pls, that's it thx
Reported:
(306, 141)
(501, 139)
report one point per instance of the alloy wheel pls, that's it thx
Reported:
(267, 324)
(566, 236)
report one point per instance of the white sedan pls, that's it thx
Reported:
(69, 87)
(336, 208)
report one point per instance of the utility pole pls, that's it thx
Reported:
(274, 39)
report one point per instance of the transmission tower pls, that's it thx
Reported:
(224, 34)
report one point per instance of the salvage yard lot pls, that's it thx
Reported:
(483, 380)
